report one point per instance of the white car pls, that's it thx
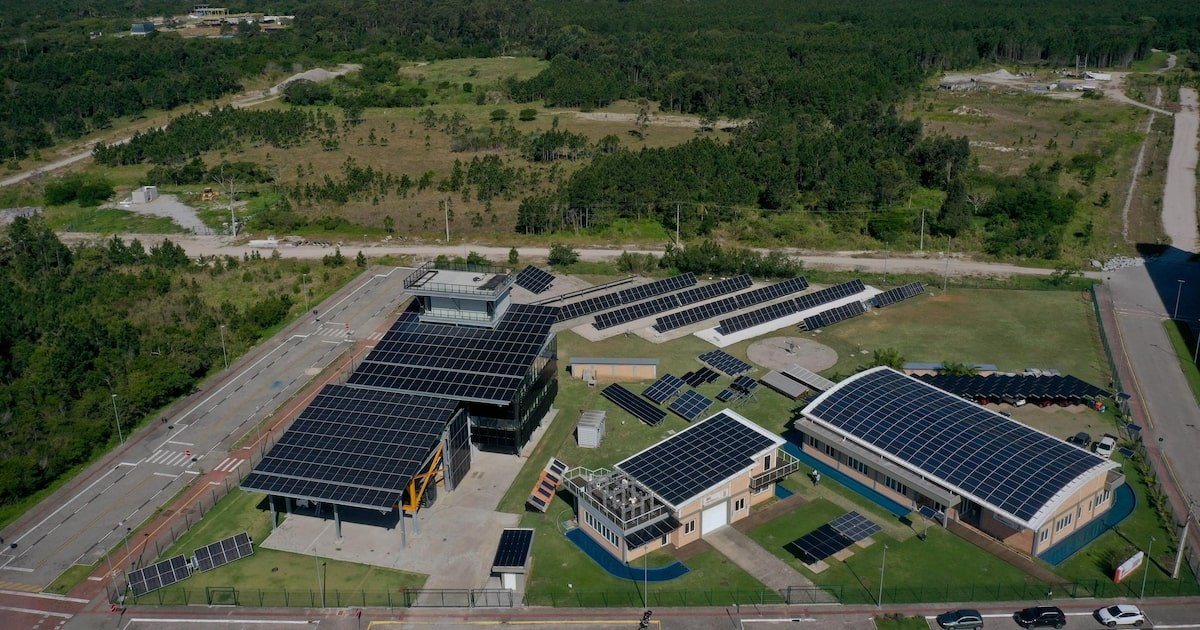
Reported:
(1106, 446)
(1120, 615)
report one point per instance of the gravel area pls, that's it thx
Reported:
(777, 353)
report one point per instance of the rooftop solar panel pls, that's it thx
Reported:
(630, 402)
(986, 456)
(534, 280)
(223, 552)
(354, 446)
(513, 550)
(690, 405)
(891, 296)
(699, 457)
(651, 532)
(159, 575)
(725, 362)
(626, 296)
(664, 388)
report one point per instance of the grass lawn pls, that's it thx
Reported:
(900, 622)
(1155, 61)
(943, 567)
(1012, 329)
(107, 221)
(1180, 333)
(269, 570)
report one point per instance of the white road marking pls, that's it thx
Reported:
(55, 513)
(180, 443)
(30, 611)
(21, 569)
(1183, 625)
(231, 622)
(61, 598)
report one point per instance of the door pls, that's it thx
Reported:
(714, 517)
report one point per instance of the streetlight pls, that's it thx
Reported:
(1178, 294)
(304, 281)
(1149, 564)
(224, 354)
(882, 566)
(128, 556)
(117, 420)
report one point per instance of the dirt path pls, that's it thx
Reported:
(1179, 193)
(246, 100)
(656, 120)
(1137, 168)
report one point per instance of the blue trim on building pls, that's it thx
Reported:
(782, 493)
(857, 486)
(1124, 502)
(619, 569)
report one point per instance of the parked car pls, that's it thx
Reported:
(1040, 617)
(1081, 439)
(1120, 615)
(965, 619)
(1106, 446)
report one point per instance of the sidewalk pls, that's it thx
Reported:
(762, 564)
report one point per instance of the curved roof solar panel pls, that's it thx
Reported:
(1014, 469)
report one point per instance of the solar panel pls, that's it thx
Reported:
(513, 550)
(547, 484)
(630, 402)
(690, 405)
(625, 296)
(534, 280)
(725, 362)
(855, 526)
(891, 296)
(818, 544)
(651, 532)
(664, 388)
(159, 575)
(699, 457)
(669, 302)
(223, 552)
(930, 513)
(834, 315)
(354, 447)
(727, 394)
(730, 304)
(700, 377)
(994, 460)
(745, 383)
(772, 292)
(998, 388)
(829, 294)
(756, 317)
(783, 384)
(808, 378)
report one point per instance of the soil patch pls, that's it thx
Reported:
(777, 353)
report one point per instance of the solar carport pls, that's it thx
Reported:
(1016, 483)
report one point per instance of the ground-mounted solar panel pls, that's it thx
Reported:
(715, 289)
(512, 552)
(818, 544)
(727, 394)
(547, 484)
(690, 404)
(855, 526)
(744, 383)
(829, 294)
(626, 296)
(772, 292)
(756, 317)
(534, 280)
(807, 377)
(891, 296)
(728, 305)
(632, 403)
(223, 552)
(783, 384)
(700, 377)
(663, 388)
(725, 362)
(834, 315)
(1008, 388)
(158, 575)
(636, 311)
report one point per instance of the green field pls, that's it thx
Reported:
(107, 221)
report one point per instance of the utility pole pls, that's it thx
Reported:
(1178, 294)
(1149, 562)
(676, 224)
(446, 211)
(224, 354)
(117, 420)
(946, 273)
(882, 566)
(922, 229)
(1183, 540)
(887, 255)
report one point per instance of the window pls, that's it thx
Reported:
(767, 462)
(761, 490)
(689, 527)
(896, 486)
(829, 451)
(1064, 521)
(664, 539)
(856, 465)
(1044, 535)
(739, 505)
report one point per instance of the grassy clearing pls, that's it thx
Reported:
(900, 622)
(107, 221)
(480, 72)
(71, 578)
(268, 569)
(1157, 60)
(1180, 334)
(1012, 329)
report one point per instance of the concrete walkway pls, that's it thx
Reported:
(762, 564)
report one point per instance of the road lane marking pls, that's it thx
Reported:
(56, 511)
(61, 598)
(232, 622)
(180, 443)
(31, 611)
(162, 474)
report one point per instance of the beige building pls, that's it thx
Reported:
(682, 488)
(613, 368)
(931, 450)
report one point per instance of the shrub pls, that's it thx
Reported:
(563, 255)
(498, 115)
(527, 114)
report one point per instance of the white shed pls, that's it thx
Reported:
(590, 430)
(145, 194)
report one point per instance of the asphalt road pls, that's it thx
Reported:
(1179, 192)
(81, 522)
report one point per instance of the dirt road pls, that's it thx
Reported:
(1179, 194)
(246, 100)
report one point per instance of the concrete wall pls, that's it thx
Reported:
(1090, 502)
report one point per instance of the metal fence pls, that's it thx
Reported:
(331, 598)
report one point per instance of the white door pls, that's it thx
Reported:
(714, 517)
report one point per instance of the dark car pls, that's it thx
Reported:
(961, 620)
(1040, 617)
(1081, 439)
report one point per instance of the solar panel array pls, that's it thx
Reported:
(855, 526)
(159, 575)
(730, 304)
(834, 315)
(664, 388)
(727, 394)
(630, 402)
(673, 301)
(784, 384)
(788, 307)
(808, 378)
(354, 446)
(833, 537)
(725, 362)
(697, 458)
(475, 363)
(625, 296)
(891, 296)
(745, 384)
(700, 377)
(930, 513)
(513, 549)
(547, 484)
(534, 280)
(690, 405)
(989, 457)
(653, 531)
(223, 552)
(1000, 387)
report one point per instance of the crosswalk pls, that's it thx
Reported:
(19, 586)
(345, 333)
(170, 458)
(229, 464)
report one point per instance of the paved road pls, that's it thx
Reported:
(1179, 193)
(91, 515)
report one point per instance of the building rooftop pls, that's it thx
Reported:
(611, 361)
(459, 280)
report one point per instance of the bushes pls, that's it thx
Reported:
(709, 257)
(562, 255)
(86, 190)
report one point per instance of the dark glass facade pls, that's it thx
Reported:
(506, 429)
